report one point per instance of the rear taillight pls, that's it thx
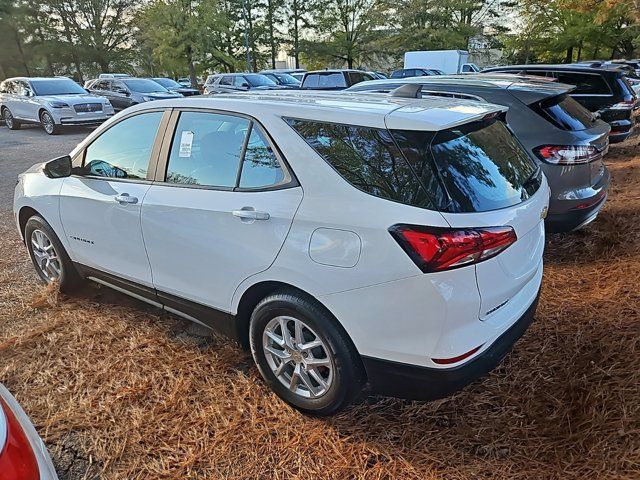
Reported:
(436, 249)
(567, 154)
(17, 460)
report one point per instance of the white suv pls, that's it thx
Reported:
(348, 241)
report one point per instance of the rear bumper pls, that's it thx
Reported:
(573, 219)
(423, 383)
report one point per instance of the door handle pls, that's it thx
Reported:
(248, 213)
(125, 198)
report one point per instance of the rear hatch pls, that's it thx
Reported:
(488, 180)
(582, 128)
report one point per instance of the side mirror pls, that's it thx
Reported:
(58, 167)
(245, 85)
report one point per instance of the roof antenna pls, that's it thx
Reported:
(410, 90)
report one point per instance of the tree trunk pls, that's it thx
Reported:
(580, 50)
(16, 35)
(272, 40)
(569, 57)
(296, 39)
(192, 67)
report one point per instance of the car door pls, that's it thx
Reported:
(120, 95)
(219, 211)
(20, 104)
(100, 203)
(103, 88)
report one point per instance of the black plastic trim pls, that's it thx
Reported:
(424, 383)
(218, 320)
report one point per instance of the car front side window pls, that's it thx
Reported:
(123, 151)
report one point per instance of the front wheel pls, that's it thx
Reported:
(303, 355)
(49, 257)
(48, 124)
(9, 121)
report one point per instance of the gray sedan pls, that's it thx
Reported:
(51, 102)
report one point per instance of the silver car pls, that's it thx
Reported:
(51, 102)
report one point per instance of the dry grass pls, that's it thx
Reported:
(121, 391)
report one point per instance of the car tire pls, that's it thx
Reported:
(50, 259)
(327, 377)
(48, 124)
(9, 121)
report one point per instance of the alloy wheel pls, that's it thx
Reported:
(298, 357)
(47, 123)
(8, 118)
(45, 255)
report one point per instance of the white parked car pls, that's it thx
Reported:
(348, 241)
(52, 102)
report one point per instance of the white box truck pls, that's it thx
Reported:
(449, 61)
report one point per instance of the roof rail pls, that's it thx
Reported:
(409, 90)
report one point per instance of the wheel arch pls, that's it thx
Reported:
(256, 292)
(24, 214)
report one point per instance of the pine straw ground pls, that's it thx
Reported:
(120, 391)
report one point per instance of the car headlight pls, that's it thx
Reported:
(58, 105)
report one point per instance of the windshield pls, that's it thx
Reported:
(481, 164)
(167, 82)
(258, 80)
(286, 79)
(144, 85)
(57, 86)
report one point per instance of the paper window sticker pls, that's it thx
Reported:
(186, 143)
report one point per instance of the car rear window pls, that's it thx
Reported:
(369, 159)
(565, 113)
(324, 80)
(481, 164)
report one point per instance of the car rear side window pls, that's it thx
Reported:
(367, 158)
(481, 164)
(123, 151)
(565, 113)
(586, 83)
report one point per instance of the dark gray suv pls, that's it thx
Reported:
(124, 92)
(566, 140)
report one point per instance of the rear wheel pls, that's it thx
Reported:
(303, 355)
(49, 256)
(49, 126)
(9, 121)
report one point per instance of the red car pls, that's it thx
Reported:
(23, 455)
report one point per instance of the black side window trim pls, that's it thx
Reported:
(291, 181)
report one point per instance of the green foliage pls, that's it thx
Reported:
(81, 38)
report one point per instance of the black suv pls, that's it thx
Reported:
(602, 89)
(334, 79)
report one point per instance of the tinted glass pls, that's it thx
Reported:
(566, 113)
(367, 158)
(260, 167)
(228, 80)
(286, 79)
(585, 83)
(481, 164)
(240, 81)
(258, 80)
(123, 150)
(144, 85)
(167, 82)
(397, 74)
(206, 149)
(58, 86)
